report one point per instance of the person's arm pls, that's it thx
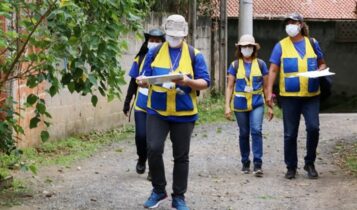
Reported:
(273, 71)
(146, 69)
(270, 112)
(195, 84)
(268, 89)
(202, 78)
(321, 63)
(129, 95)
(320, 56)
(229, 92)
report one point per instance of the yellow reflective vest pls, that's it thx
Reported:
(168, 101)
(291, 64)
(248, 91)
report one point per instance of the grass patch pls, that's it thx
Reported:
(65, 152)
(347, 156)
(13, 196)
(211, 109)
(62, 152)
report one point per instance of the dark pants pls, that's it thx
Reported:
(180, 135)
(293, 107)
(140, 135)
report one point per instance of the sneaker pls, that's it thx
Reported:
(178, 202)
(291, 173)
(245, 168)
(140, 167)
(155, 200)
(149, 176)
(258, 172)
(311, 171)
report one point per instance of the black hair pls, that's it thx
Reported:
(143, 49)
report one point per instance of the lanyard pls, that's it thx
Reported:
(172, 65)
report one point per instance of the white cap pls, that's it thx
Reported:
(176, 25)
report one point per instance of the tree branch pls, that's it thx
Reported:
(22, 50)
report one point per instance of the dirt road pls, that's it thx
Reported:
(108, 179)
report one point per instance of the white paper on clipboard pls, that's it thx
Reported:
(316, 74)
(161, 78)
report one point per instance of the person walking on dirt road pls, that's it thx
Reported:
(298, 95)
(172, 108)
(247, 77)
(152, 39)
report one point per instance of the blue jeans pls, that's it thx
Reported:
(251, 122)
(140, 135)
(293, 107)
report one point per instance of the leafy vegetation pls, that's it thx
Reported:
(346, 156)
(211, 109)
(62, 152)
(70, 44)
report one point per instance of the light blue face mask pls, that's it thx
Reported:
(247, 51)
(292, 29)
(153, 44)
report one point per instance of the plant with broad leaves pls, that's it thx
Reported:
(86, 36)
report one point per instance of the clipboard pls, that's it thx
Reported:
(316, 74)
(159, 79)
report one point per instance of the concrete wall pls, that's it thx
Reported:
(340, 57)
(73, 113)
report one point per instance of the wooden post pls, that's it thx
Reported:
(192, 18)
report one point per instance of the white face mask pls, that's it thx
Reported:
(153, 44)
(247, 51)
(292, 29)
(174, 41)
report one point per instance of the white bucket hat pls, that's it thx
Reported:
(247, 39)
(176, 25)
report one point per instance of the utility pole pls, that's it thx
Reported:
(192, 18)
(223, 46)
(245, 17)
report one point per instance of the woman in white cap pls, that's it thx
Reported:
(247, 77)
(172, 108)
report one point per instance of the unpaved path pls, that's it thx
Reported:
(108, 179)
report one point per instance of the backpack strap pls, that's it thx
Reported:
(312, 44)
(192, 55)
